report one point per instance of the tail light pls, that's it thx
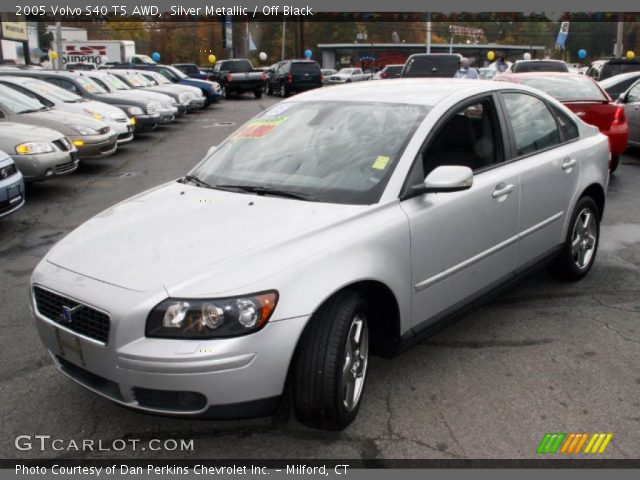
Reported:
(321, 78)
(619, 117)
(289, 78)
(229, 77)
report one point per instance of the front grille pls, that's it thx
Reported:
(91, 380)
(104, 130)
(9, 170)
(63, 144)
(121, 119)
(85, 320)
(65, 167)
(8, 205)
(169, 400)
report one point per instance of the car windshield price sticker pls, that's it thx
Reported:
(259, 127)
(381, 162)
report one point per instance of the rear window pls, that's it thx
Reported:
(567, 89)
(395, 70)
(431, 66)
(237, 66)
(522, 67)
(188, 68)
(305, 67)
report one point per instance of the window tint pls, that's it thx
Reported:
(431, 66)
(470, 138)
(540, 66)
(568, 126)
(534, 128)
(305, 67)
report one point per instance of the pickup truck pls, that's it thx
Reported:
(237, 76)
(192, 70)
(348, 75)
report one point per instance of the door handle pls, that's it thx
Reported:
(502, 190)
(568, 163)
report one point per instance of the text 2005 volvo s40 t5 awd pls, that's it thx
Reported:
(337, 224)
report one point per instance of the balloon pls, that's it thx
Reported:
(631, 55)
(155, 56)
(263, 56)
(582, 54)
(491, 55)
(308, 53)
(53, 55)
(527, 56)
(211, 58)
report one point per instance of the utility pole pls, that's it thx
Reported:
(59, 44)
(618, 48)
(284, 32)
(428, 32)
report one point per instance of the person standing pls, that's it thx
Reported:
(465, 70)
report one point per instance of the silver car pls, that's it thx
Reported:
(336, 224)
(11, 186)
(631, 102)
(39, 153)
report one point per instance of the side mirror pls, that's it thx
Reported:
(622, 98)
(450, 178)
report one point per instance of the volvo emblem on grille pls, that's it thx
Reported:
(67, 313)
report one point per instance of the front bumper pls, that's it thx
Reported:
(11, 194)
(213, 97)
(167, 115)
(124, 130)
(35, 168)
(145, 122)
(197, 103)
(211, 378)
(96, 146)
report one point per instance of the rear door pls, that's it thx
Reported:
(306, 74)
(549, 172)
(632, 112)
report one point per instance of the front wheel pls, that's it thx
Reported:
(579, 251)
(331, 361)
(615, 160)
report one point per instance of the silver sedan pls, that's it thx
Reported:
(337, 224)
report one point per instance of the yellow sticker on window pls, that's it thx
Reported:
(381, 162)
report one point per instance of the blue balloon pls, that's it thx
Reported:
(582, 53)
(155, 56)
(308, 53)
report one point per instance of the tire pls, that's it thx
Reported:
(581, 245)
(257, 93)
(615, 160)
(330, 364)
(226, 93)
(284, 92)
(267, 90)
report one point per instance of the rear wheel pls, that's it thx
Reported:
(615, 160)
(284, 92)
(267, 90)
(226, 93)
(331, 363)
(257, 93)
(579, 251)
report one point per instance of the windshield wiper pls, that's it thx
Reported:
(261, 190)
(195, 180)
(31, 110)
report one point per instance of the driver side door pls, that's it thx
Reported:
(632, 112)
(462, 243)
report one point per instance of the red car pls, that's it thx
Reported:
(584, 97)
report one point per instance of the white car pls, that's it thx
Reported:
(63, 100)
(348, 75)
(338, 223)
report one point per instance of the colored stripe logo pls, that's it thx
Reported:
(573, 443)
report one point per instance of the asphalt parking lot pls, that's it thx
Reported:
(545, 357)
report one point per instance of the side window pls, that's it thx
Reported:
(533, 125)
(568, 126)
(634, 93)
(470, 138)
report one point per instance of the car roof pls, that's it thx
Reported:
(416, 91)
(516, 76)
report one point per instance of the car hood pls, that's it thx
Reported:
(16, 133)
(176, 232)
(58, 120)
(146, 96)
(197, 83)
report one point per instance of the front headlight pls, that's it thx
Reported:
(84, 130)
(135, 111)
(198, 319)
(34, 148)
(183, 98)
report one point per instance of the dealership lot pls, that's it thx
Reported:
(545, 357)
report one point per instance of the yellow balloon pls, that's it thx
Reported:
(491, 55)
(631, 55)
(53, 55)
(212, 58)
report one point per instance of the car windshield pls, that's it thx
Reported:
(16, 102)
(114, 82)
(156, 77)
(50, 91)
(336, 152)
(135, 80)
(567, 89)
(89, 85)
(176, 72)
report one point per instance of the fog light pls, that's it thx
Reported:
(133, 120)
(189, 399)
(78, 143)
(49, 172)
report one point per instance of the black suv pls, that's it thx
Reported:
(443, 65)
(601, 69)
(291, 76)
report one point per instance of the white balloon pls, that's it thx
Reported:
(527, 56)
(263, 56)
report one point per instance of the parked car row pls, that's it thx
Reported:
(50, 120)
